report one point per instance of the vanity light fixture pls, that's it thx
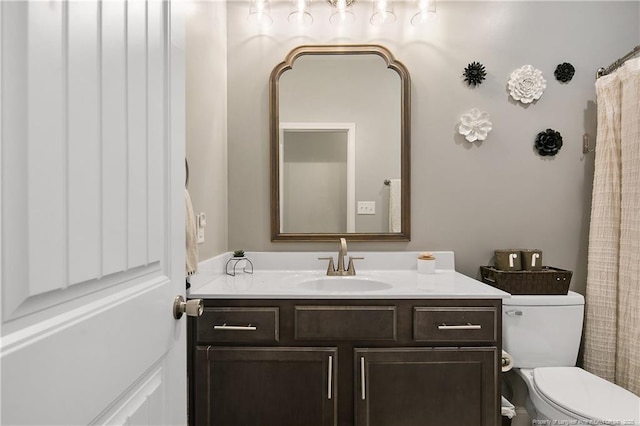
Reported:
(342, 11)
(301, 13)
(260, 12)
(382, 12)
(426, 13)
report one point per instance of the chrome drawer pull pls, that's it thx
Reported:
(514, 313)
(330, 377)
(235, 327)
(469, 326)
(362, 379)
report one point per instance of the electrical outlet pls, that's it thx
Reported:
(366, 207)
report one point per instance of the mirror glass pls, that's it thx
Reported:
(339, 145)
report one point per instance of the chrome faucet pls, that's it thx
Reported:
(341, 271)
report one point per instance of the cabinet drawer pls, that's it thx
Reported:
(345, 323)
(238, 325)
(455, 324)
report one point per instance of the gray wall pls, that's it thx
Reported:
(468, 198)
(206, 119)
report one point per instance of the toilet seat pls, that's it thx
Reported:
(586, 396)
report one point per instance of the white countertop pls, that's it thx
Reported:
(405, 285)
(271, 281)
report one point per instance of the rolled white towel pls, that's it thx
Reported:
(507, 409)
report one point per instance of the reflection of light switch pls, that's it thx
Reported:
(201, 222)
(366, 207)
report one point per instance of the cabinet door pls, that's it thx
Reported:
(426, 386)
(265, 386)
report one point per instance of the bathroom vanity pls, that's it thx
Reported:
(272, 350)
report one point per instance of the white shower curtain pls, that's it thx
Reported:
(612, 323)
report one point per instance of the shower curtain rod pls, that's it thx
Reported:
(614, 66)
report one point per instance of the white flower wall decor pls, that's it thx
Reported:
(526, 84)
(475, 125)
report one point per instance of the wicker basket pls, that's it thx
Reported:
(547, 281)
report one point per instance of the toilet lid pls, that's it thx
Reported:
(586, 395)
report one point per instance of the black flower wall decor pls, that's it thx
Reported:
(474, 73)
(564, 72)
(548, 143)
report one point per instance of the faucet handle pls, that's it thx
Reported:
(331, 268)
(351, 267)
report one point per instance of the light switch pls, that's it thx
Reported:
(201, 222)
(366, 207)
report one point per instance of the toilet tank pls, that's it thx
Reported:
(542, 330)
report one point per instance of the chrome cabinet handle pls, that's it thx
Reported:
(362, 379)
(514, 313)
(460, 327)
(235, 327)
(330, 378)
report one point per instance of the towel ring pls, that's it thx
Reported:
(186, 166)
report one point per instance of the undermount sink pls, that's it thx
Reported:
(343, 284)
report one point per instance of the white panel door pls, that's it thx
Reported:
(92, 213)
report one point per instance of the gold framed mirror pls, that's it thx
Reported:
(340, 145)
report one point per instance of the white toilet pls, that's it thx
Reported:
(542, 334)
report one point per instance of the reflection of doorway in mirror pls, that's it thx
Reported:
(317, 177)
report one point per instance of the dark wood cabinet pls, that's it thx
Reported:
(425, 386)
(401, 362)
(265, 386)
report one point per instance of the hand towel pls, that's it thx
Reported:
(395, 205)
(191, 264)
